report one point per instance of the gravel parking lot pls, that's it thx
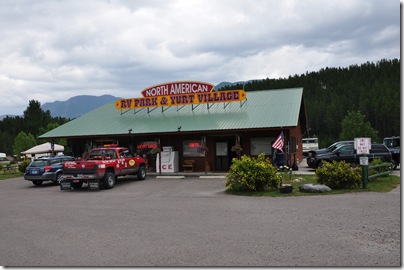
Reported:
(192, 222)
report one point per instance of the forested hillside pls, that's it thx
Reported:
(371, 88)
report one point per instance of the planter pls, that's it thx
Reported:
(286, 189)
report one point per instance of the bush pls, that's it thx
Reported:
(252, 174)
(339, 175)
(23, 165)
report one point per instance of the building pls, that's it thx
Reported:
(252, 123)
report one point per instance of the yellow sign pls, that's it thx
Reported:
(179, 100)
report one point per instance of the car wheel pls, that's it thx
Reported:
(37, 183)
(77, 185)
(109, 180)
(141, 173)
(320, 164)
(58, 178)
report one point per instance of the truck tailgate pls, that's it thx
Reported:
(80, 167)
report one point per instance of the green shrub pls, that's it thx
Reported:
(339, 175)
(23, 165)
(252, 174)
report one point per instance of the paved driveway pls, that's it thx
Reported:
(192, 222)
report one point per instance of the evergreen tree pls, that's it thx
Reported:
(35, 117)
(354, 125)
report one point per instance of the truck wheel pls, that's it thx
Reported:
(394, 164)
(37, 183)
(109, 180)
(141, 173)
(77, 185)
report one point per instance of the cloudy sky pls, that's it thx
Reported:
(53, 50)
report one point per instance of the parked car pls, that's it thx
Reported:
(332, 147)
(346, 152)
(393, 144)
(46, 169)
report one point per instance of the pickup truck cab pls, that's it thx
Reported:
(393, 144)
(101, 167)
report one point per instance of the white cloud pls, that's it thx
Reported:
(53, 50)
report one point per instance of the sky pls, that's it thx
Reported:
(54, 50)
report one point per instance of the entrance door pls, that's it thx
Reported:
(222, 158)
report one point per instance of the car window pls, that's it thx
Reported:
(377, 148)
(110, 153)
(38, 163)
(127, 153)
(56, 161)
(96, 154)
(346, 149)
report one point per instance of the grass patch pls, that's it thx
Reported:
(381, 184)
(10, 175)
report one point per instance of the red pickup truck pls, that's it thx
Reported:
(101, 167)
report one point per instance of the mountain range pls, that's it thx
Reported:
(77, 105)
(82, 104)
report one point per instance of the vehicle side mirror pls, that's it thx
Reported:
(337, 153)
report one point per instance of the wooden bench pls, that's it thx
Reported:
(188, 165)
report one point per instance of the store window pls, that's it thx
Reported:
(261, 145)
(190, 148)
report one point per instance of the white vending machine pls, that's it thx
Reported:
(169, 160)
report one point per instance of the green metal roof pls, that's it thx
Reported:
(261, 109)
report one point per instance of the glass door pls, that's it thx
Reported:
(222, 158)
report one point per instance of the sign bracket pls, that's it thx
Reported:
(135, 112)
(180, 107)
(149, 111)
(243, 102)
(123, 112)
(194, 107)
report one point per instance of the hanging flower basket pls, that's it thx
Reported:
(202, 149)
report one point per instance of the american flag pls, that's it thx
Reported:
(278, 144)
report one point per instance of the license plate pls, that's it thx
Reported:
(65, 185)
(34, 171)
(93, 185)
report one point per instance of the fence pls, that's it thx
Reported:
(366, 169)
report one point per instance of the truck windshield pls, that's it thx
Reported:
(391, 142)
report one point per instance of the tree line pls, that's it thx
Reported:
(372, 89)
(20, 133)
